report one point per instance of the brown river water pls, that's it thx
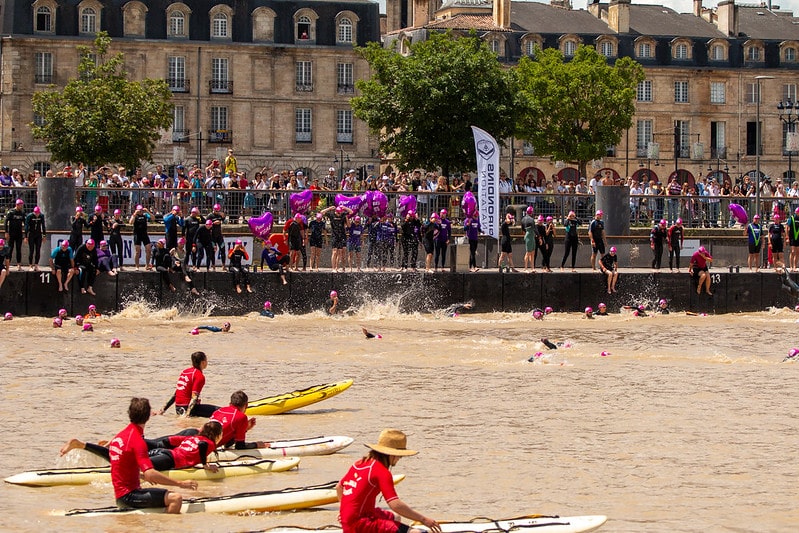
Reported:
(689, 425)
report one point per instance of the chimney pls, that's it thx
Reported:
(421, 13)
(501, 13)
(727, 18)
(595, 8)
(563, 4)
(697, 8)
(619, 16)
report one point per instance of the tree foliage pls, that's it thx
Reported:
(422, 106)
(572, 111)
(101, 116)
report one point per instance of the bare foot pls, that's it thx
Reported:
(83, 291)
(249, 289)
(91, 291)
(195, 292)
(238, 289)
(73, 444)
(709, 293)
(60, 289)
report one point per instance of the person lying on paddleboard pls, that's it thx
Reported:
(128, 457)
(370, 477)
(188, 389)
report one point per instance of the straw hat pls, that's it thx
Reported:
(392, 442)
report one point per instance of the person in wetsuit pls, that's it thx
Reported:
(237, 268)
(15, 230)
(409, 241)
(191, 226)
(116, 225)
(96, 224)
(675, 239)
(657, 237)
(139, 220)
(572, 240)
(35, 231)
(77, 223)
(87, 263)
(776, 240)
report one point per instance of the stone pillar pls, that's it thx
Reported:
(615, 203)
(57, 202)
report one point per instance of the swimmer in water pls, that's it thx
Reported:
(332, 303)
(92, 313)
(371, 335)
(213, 329)
(663, 307)
(589, 312)
(267, 310)
(788, 285)
(459, 308)
(602, 310)
(538, 314)
(549, 344)
(792, 355)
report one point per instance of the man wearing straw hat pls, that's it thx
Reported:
(370, 477)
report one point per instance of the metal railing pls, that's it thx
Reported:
(645, 210)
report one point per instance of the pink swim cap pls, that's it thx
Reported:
(571, 214)
(139, 207)
(57, 322)
(176, 208)
(602, 306)
(604, 354)
(298, 216)
(37, 210)
(267, 305)
(540, 218)
(793, 352)
(117, 212)
(333, 294)
(98, 209)
(195, 331)
(443, 211)
(3, 242)
(613, 249)
(662, 221)
(115, 343)
(217, 207)
(162, 242)
(641, 308)
(339, 209)
(19, 201)
(88, 327)
(756, 217)
(529, 210)
(796, 211)
(662, 301)
(62, 312)
(588, 310)
(318, 216)
(549, 219)
(194, 210)
(92, 307)
(182, 240)
(600, 213)
(209, 222)
(79, 209)
(679, 220)
(357, 219)
(547, 310)
(537, 314)
(8, 316)
(103, 243)
(90, 242)
(703, 249)
(238, 242)
(776, 216)
(79, 320)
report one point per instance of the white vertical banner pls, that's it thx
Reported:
(487, 181)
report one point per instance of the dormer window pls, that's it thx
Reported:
(569, 48)
(88, 20)
(529, 48)
(220, 26)
(305, 26)
(607, 49)
(790, 54)
(44, 19)
(345, 30)
(177, 24)
(681, 51)
(753, 53)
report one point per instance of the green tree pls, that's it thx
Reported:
(572, 111)
(101, 116)
(422, 105)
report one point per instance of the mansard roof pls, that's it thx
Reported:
(545, 18)
(484, 22)
(758, 22)
(660, 21)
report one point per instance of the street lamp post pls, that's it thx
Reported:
(757, 141)
(341, 159)
(789, 115)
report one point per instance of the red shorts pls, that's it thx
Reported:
(381, 521)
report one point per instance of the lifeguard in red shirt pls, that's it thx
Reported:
(128, 456)
(188, 389)
(370, 477)
(235, 423)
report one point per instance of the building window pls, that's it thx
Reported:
(569, 48)
(644, 92)
(344, 126)
(44, 68)
(38, 120)
(753, 53)
(680, 92)
(345, 30)
(220, 26)
(44, 20)
(789, 92)
(606, 49)
(220, 131)
(344, 78)
(304, 28)
(302, 125)
(786, 129)
(751, 96)
(177, 24)
(527, 148)
(643, 136)
(177, 74)
(304, 76)
(494, 44)
(718, 140)
(718, 92)
(220, 76)
(681, 51)
(41, 167)
(717, 52)
(644, 50)
(88, 20)
(529, 48)
(790, 54)
(684, 137)
(179, 132)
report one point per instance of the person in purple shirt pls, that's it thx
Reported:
(442, 240)
(471, 226)
(386, 240)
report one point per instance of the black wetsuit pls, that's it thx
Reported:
(15, 227)
(86, 261)
(35, 230)
(572, 241)
(205, 246)
(657, 237)
(238, 269)
(115, 239)
(216, 234)
(96, 226)
(190, 227)
(410, 243)
(675, 244)
(76, 232)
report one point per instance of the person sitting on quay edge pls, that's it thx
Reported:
(608, 265)
(237, 268)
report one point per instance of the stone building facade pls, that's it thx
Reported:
(696, 112)
(270, 79)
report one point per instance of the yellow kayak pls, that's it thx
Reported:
(274, 405)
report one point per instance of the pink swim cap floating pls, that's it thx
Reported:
(793, 352)
(602, 306)
(538, 314)
(92, 307)
(195, 331)
(115, 343)
(79, 320)
(588, 310)
(8, 316)
(62, 312)
(267, 305)
(663, 301)
(604, 354)
(57, 322)
(547, 310)
(88, 327)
